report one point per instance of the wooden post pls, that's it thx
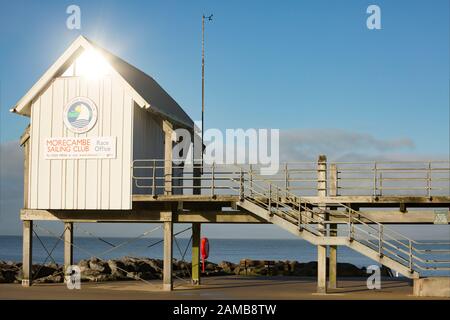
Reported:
(332, 259)
(168, 251)
(68, 245)
(27, 253)
(25, 143)
(196, 233)
(168, 146)
(322, 250)
(332, 274)
(321, 269)
(333, 180)
(196, 180)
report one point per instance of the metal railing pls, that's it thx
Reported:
(415, 255)
(282, 200)
(383, 178)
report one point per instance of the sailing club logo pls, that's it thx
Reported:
(80, 115)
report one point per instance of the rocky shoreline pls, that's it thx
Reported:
(128, 268)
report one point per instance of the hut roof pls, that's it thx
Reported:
(148, 93)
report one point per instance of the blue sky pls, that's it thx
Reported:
(298, 65)
(295, 64)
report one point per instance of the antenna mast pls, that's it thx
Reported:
(203, 77)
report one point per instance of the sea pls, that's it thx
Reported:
(232, 250)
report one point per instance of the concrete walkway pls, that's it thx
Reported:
(229, 287)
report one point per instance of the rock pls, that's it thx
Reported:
(210, 266)
(99, 265)
(94, 276)
(117, 268)
(227, 267)
(349, 270)
(8, 275)
(143, 266)
(156, 264)
(84, 265)
(52, 265)
(127, 268)
(53, 278)
(42, 271)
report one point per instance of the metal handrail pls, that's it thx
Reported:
(282, 202)
(382, 240)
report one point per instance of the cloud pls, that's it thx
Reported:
(338, 145)
(11, 186)
(295, 145)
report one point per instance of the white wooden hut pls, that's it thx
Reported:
(91, 114)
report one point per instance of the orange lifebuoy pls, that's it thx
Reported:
(204, 251)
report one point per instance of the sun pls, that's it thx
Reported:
(92, 65)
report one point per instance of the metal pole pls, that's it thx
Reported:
(350, 233)
(300, 215)
(270, 199)
(154, 178)
(429, 180)
(375, 179)
(380, 240)
(410, 256)
(203, 81)
(251, 180)
(241, 191)
(212, 179)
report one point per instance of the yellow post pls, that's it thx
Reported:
(196, 227)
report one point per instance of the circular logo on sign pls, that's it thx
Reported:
(80, 115)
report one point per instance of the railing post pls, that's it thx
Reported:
(270, 199)
(212, 179)
(197, 178)
(322, 177)
(277, 197)
(375, 179)
(168, 156)
(251, 180)
(429, 180)
(154, 178)
(410, 256)
(286, 178)
(300, 215)
(350, 228)
(381, 184)
(241, 186)
(333, 180)
(380, 240)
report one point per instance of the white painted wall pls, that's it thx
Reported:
(148, 143)
(82, 183)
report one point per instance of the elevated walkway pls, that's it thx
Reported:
(326, 204)
(279, 199)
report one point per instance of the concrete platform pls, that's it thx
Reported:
(432, 287)
(229, 287)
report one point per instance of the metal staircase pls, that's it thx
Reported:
(311, 222)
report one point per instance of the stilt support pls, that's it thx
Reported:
(27, 253)
(168, 256)
(321, 269)
(196, 253)
(68, 245)
(332, 260)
